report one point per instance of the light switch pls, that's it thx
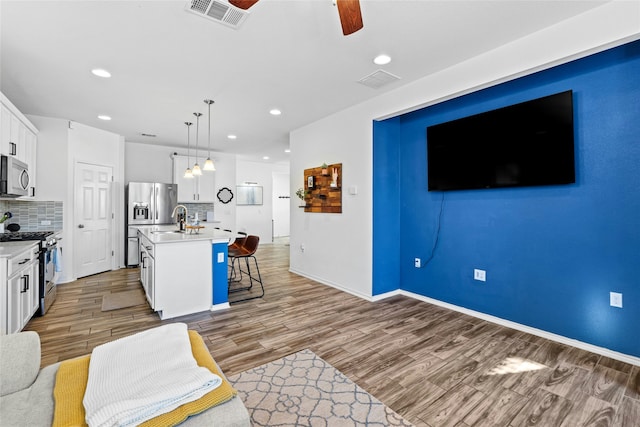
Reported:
(220, 257)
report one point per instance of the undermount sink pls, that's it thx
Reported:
(167, 231)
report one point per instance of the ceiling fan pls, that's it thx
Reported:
(349, 11)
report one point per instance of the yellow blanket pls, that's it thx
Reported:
(71, 383)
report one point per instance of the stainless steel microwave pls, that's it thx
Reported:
(14, 177)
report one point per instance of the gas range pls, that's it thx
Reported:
(49, 254)
(25, 235)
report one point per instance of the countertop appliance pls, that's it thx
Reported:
(148, 203)
(48, 259)
(14, 177)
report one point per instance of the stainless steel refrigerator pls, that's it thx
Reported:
(148, 203)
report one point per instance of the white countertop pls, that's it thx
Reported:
(159, 234)
(11, 249)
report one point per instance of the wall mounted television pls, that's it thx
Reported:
(525, 144)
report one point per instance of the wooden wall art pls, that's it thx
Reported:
(324, 189)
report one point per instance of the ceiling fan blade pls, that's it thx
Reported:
(350, 16)
(243, 4)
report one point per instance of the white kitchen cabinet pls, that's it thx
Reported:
(22, 289)
(199, 189)
(176, 270)
(147, 269)
(18, 138)
(30, 156)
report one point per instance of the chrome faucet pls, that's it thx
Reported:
(173, 214)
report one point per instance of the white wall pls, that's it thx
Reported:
(281, 201)
(226, 165)
(98, 147)
(338, 247)
(62, 143)
(257, 220)
(148, 163)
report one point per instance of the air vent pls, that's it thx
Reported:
(219, 11)
(378, 78)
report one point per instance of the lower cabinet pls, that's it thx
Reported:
(147, 269)
(22, 289)
(176, 277)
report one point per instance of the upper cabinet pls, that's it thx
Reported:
(199, 189)
(18, 138)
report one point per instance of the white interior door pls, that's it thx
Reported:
(93, 219)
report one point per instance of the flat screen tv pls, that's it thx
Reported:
(525, 144)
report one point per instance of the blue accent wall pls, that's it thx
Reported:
(386, 206)
(552, 254)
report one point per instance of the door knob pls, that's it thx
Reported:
(80, 225)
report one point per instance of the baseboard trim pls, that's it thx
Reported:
(218, 307)
(523, 328)
(331, 284)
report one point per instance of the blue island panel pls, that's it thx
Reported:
(219, 273)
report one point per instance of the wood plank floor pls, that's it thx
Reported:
(433, 366)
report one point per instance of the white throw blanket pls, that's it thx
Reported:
(136, 378)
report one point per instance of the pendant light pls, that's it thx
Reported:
(188, 173)
(196, 167)
(208, 164)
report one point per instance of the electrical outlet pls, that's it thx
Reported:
(45, 222)
(417, 262)
(220, 257)
(302, 248)
(615, 299)
(480, 275)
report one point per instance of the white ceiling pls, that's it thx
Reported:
(289, 55)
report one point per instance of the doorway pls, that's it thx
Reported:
(281, 205)
(93, 219)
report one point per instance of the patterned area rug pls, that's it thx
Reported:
(304, 390)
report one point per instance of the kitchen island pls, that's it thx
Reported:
(183, 272)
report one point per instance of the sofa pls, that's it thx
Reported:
(26, 391)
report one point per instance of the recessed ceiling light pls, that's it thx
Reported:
(103, 117)
(382, 59)
(286, 150)
(265, 158)
(275, 112)
(101, 73)
(231, 136)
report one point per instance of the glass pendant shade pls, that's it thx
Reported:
(188, 173)
(209, 166)
(196, 170)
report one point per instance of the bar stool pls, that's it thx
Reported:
(246, 251)
(235, 249)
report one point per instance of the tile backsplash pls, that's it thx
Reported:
(29, 215)
(201, 208)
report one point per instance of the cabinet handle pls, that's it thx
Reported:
(24, 261)
(12, 148)
(24, 284)
(27, 277)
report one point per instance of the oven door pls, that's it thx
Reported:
(48, 265)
